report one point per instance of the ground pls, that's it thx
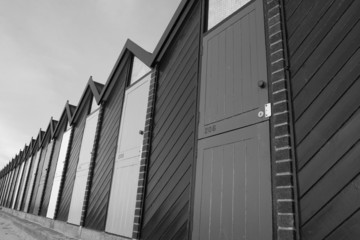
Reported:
(14, 228)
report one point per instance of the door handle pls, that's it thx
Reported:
(261, 84)
(141, 132)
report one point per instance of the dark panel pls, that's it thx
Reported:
(324, 46)
(328, 97)
(304, 20)
(65, 197)
(332, 52)
(166, 213)
(329, 124)
(331, 183)
(327, 156)
(334, 213)
(51, 173)
(348, 229)
(100, 188)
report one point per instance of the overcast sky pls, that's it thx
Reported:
(49, 49)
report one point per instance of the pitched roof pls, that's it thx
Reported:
(91, 87)
(172, 28)
(49, 133)
(66, 115)
(149, 59)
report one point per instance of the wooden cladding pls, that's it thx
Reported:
(324, 48)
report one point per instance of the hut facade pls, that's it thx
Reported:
(242, 123)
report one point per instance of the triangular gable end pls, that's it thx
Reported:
(138, 69)
(90, 88)
(134, 50)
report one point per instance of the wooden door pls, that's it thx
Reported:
(17, 186)
(33, 171)
(233, 175)
(58, 174)
(120, 217)
(22, 186)
(233, 64)
(82, 170)
(233, 186)
(43, 177)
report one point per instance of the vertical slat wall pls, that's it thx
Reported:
(104, 163)
(168, 193)
(65, 197)
(51, 173)
(324, 50)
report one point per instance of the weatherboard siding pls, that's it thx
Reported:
(104, 162)
(168, 189)
(51, 172)
(65, 195)
(324, 52)
(13, 186)
(26, 187)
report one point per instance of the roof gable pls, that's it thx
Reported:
(90, 88)
(66, 115)
(133, 49)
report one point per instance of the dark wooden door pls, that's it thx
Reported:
(233, 175)
(233, 63)
(233, 186)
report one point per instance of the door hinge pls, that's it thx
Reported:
(268, 110)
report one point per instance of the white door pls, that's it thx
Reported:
(22, 185)
(58, 173)
(32, 180)
(124, 185)
(77, 198)
(17, 185)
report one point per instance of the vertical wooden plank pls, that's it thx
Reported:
(229, 73)
(238, 68)
(255, 64)
(246, 64)
(227, 193)
(252, 190)
(215, 201)
(206, 194)
(221, 78)
(265, 181)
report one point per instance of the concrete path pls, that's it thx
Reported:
(14, 228)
